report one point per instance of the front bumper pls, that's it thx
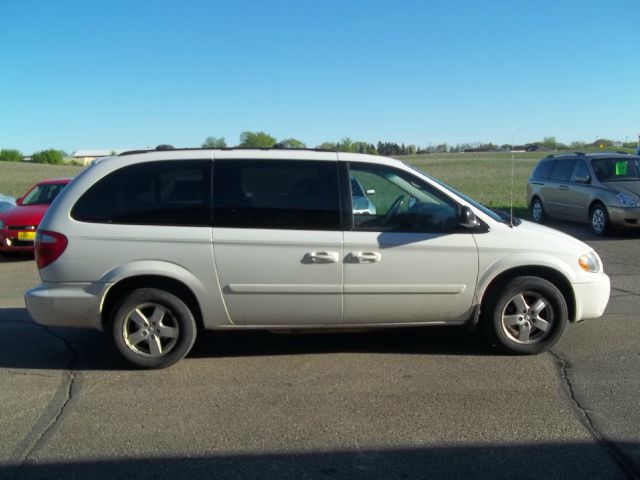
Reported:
(592, 298)
(66, 305)
(10, 240)
(624, 217)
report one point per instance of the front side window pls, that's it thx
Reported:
(276, 194)
(581, 170)
(398, 201)
(176, 192)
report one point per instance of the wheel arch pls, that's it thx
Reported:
(168, 284)
(593, 203)
(557, 278)
(533, 198)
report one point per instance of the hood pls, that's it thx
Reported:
(629, 186)
(535, 235)
(24, 215)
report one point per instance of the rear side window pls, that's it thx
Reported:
(153, 193)
(543, 170)
(276, 194)
(562, 170)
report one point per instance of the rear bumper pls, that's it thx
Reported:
(66, 305)
(592, 297)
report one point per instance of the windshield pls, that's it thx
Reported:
(616, 169)
(487, 211)
(43, 194)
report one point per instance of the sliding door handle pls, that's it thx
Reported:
(322, 257)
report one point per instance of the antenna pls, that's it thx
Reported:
(512, 174)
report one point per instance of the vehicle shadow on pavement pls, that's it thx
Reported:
(561, 461)
(410, 341)
(27, 345)
(14, 257)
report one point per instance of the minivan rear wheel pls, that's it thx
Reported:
(537, 211)
(525, 316)
(153, 328)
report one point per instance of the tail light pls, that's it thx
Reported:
(48, 247)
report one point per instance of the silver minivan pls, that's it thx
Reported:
(153, 246)
(601, 189)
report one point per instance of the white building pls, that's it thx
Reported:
(87, 156)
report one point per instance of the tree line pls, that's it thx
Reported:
(51, 156)
(249, 139)
(264, 140)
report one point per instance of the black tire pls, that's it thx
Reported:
(525, 316)
(538, 214)
(599, 219)
(153, 328)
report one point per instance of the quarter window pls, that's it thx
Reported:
(152, 193)
(276, 194)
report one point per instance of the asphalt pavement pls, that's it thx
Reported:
(409, 403)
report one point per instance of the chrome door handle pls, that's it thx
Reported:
(323, 257)
(367, 257)
(563, 187)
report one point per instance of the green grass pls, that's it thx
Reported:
(16, 177)
(485, 177)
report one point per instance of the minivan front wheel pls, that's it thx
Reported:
(526, 316)
(153, 328)
(599, 219)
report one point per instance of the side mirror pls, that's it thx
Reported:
(467, 218)
(583, 179)
(371, 191)
(19, 200)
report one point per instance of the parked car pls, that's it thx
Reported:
(18, 224)
(6, 202)
(153, 246)
(601, 189)
(362, 205)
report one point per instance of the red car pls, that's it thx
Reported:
(18, 224)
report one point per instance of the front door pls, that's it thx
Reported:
(409, 261)
(277, 241)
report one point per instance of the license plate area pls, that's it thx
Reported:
(26, 236)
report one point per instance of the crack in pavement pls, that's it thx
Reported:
(44, 428)
(625, 291)
(619, 457)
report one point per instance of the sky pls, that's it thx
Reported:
(120, 74)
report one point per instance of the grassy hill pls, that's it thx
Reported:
(16, 177)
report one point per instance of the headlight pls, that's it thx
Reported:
(627, 200)
(590, 262)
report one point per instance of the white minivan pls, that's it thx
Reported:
(153, 245)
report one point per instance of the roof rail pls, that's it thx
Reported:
(566, 154)
(277, 146)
